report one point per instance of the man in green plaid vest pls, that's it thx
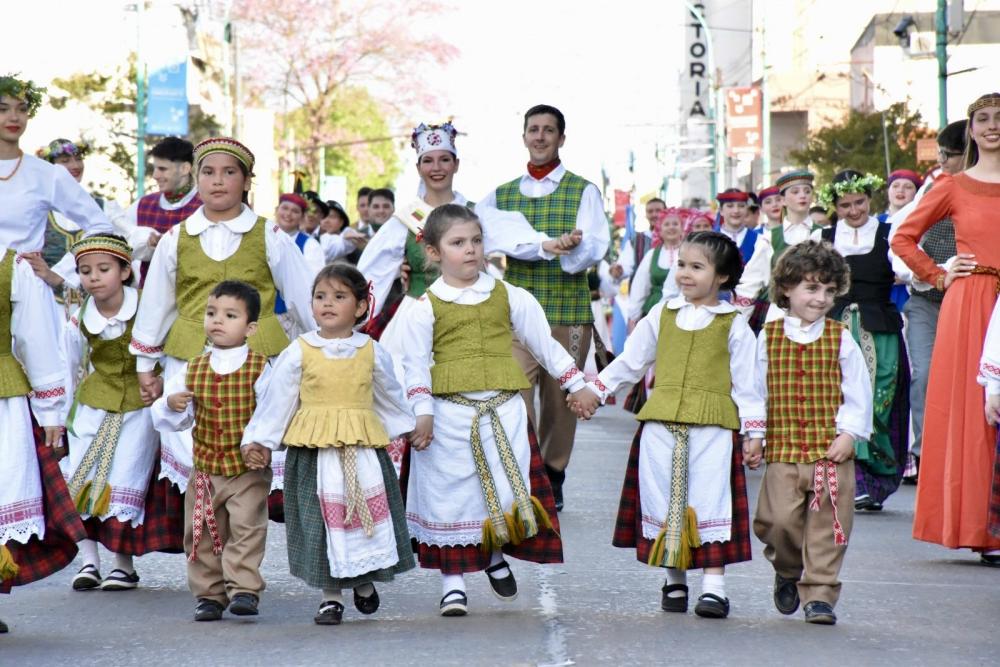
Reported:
(570, 234)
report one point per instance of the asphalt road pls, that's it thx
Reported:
(903, 602)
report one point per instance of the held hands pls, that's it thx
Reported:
(616, 271)
(256, 457)
(993, 409)
(178, 402)
(153, 239)
(753, 452)
(42, 270)
(150, 387)
(354, 236)
(960, 268)
(583, 403)
(422, 435)
(54, 439)
(841, 449)
(564, 244)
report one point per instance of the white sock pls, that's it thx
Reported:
(123, 562)
(365, 590)
(333, 595)
(675, 576)
(714, 584)
(494, 560)
(88, 549)
(452, 582)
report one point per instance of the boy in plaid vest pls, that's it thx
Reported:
(819, 401)
(228, 489)
(568, 234)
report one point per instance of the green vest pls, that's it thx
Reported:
(473, 346)
(778, 241)
(13, 381)
(693, 384)
(422, 274)
(198, 274)
(565, 297)
(113, 385)
(657, 277)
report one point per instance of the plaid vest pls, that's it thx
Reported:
(939, 244)
(223, 406)
(197, 274)
(472, 346)
(113, 385)
(13, 381)
(693, 383)
(150, 214)
(803, 393)
(565, 297)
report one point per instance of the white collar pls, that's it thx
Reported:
(241, 224)
(96, 323)
(356, 339)
(871, 223)
(556, 175)
(792, 322)
(787, 224)
(733, 235)
(230, 354)
(679, 302)
(442, 290)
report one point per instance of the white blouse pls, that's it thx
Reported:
(989, 364)
(138, 236)
(105, 328)
(641, 284)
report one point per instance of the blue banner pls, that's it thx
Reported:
(167, 106)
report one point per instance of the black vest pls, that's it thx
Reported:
(872, 279)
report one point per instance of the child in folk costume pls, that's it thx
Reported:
(217, 393)
(39, 526)
(112, 444)
(684, 499)
(334, 402)
(989, 377)
(733, 211)
(473, 496)
(223, 240)
(819, 400)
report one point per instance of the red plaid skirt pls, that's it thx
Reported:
(162, 528)
(628, 527)
(545, 547)
(63, 529)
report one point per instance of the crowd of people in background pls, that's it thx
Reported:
(405, 389)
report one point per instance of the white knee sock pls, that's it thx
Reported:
(452, 582)
(88, 550)
(365, 590)
(714, 584)
(496, 558)
(675, 576)
(333, 595)
(123, 562)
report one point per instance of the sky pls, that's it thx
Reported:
(612, 69)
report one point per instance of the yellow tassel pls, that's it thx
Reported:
(514, 528)
(541, 515)
(82, 499)
(691, 529)
(103, 502)
(489, 537)
(8, 568)
(656, 553)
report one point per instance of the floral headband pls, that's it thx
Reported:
(828, 195)
(59, 147)
(11, 86)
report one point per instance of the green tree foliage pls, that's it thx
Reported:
(858, 143)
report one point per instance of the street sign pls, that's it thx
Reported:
(744, 131)
(927, 150)
(167, 105)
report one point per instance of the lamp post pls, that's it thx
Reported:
(712, 111)
(140, 103)
(941, 51)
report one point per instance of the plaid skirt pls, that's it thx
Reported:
(993, 519)
(545, 547)
(628, 526)
(39, 558)
(305, 528)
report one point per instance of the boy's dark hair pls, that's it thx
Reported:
(349, 277)
(241, 292)
(656, 200)
(809, 259)
(364, 191)
(443, 218)
(819, 209)
(540, 109)
(384, 193)
(723, 253)
(953, 137)
(174, 149)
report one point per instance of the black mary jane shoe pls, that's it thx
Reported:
(820, 613)
(711, 605)
(504, 588)
(864, 502)
(990, 560)
(786, 594)
(677, 603)
(330, 613)
(120, 580)
(3, 628)
(87, 579)
(366, 605)
(455, 603)
(208, 610)
(244, 604)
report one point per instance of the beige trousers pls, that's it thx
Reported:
(555, 423)
(799, 542)
(240, 505)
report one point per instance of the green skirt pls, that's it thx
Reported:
(306, 530)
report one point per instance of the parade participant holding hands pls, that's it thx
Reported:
(290, 216)
(684, 502)
(217, 394)
(467, 505)
(819, 401)
(334, 402)
(652, 281)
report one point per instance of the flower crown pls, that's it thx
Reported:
(828, 194)
(63, 147)
(424, 127)
(11, 86)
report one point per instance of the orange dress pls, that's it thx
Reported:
(956, 463)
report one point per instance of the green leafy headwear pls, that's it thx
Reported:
(11, 86)
(854, 183)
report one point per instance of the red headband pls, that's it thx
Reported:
(293, 198)
(768, 192)
(737, 196)
(907, 175)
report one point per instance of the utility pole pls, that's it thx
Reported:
(941, 51)
(712, 85)
(140, 102)
(765, 112)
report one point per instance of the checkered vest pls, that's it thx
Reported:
(223, 405)
(13, 381)
(693, 383)
(939, 244)
(197, 274)
(149, 213)
(472, 346)
(803, 393)
(565, 297)
(113, 385)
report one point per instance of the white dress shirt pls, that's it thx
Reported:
(138, 236)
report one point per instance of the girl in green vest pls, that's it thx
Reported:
(684, 501)
(112, 444)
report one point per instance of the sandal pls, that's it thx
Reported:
(88, 578)
(330, 613)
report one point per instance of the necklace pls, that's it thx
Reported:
(16, 167)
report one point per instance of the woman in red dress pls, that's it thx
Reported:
(957, 463)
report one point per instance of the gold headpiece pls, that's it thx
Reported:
(224, 145)
(988, 100)
(102, 243)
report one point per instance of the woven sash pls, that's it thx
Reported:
(672, 547)
(825, 474)
(203, 514)
(356, 503)
(94, 497)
